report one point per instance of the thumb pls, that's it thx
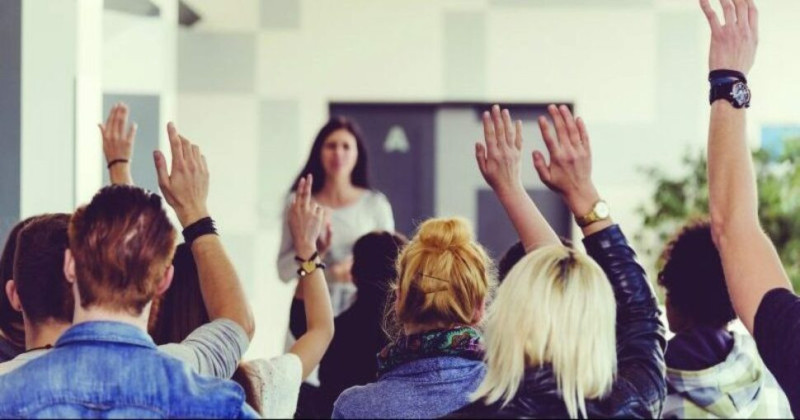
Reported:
(541, 167)
(161, 170)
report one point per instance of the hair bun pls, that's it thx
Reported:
(444, 234)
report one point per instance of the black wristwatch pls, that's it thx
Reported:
(731, 86)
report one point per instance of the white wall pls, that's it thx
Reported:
(636, 73)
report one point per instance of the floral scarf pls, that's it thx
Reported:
(465, 342)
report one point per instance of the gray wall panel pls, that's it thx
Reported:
(10, 113)
(211, 62)
(280, 14)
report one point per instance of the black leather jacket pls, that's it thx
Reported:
(640, 387)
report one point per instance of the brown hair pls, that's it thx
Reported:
(10, 319)
(122, 242)
(443, 275)
(43, 289)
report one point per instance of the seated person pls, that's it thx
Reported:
(567, 335)
(12, 332)
(212, 348)
(435, 360)
(712, 372)
(120, 251)
(360, 334)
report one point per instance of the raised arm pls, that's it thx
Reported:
(305, 225)
(499, 162)
(118, 139)
(569, 172)
(751, 264)
(640, 334)
(185, 188)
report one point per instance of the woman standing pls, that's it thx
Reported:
(338, 165)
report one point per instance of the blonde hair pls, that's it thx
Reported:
(555, 307)
(444, 277)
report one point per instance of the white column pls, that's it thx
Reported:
(88, 100)
(48, 106)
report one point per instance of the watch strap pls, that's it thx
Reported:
(591, 217)
(308, 266)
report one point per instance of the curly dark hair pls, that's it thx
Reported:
(691, 273)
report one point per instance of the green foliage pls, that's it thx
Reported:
(676, 200)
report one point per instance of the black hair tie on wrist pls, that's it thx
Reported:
(116, 161)
(202, 227)
(726, 74)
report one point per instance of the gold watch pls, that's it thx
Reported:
(600, 211)
(308, 266)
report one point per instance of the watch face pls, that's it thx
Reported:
(602, 210)
(740, 93)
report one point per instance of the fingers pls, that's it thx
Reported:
(121, 121)
(572, 128)
(188, 154)
(742, 13)
(711, 15)
(547, 136)
(561, 126)
(204, 163)
(729, 11)
(161, 170)
(489, 134)
(509, 128)
(752, 15)
(541, 167)
(132, 132)
(518, 142)
(175, 145)
(110, 116)
(304, 191)
(499, 126)
(480, 157)
(584, 133)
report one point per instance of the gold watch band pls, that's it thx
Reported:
(599, 212)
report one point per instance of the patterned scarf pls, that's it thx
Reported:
(465, 342)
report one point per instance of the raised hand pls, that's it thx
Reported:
(305, 219)
(118, 139)
(569, 172)
(733, 45)
(499, 159)
(185, 187)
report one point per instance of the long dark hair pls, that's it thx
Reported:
(182, 310)
(360, 175)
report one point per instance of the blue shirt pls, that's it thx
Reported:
(112, 369)
(424, 388)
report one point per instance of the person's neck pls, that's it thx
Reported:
(95, 313)
(43, 335)
(413, 329)
(338, 191)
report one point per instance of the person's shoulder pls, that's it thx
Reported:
(374, 197)
(353, 400)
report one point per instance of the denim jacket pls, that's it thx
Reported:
(423, 388)
(111, 369)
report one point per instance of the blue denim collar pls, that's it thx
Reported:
(105, 331)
